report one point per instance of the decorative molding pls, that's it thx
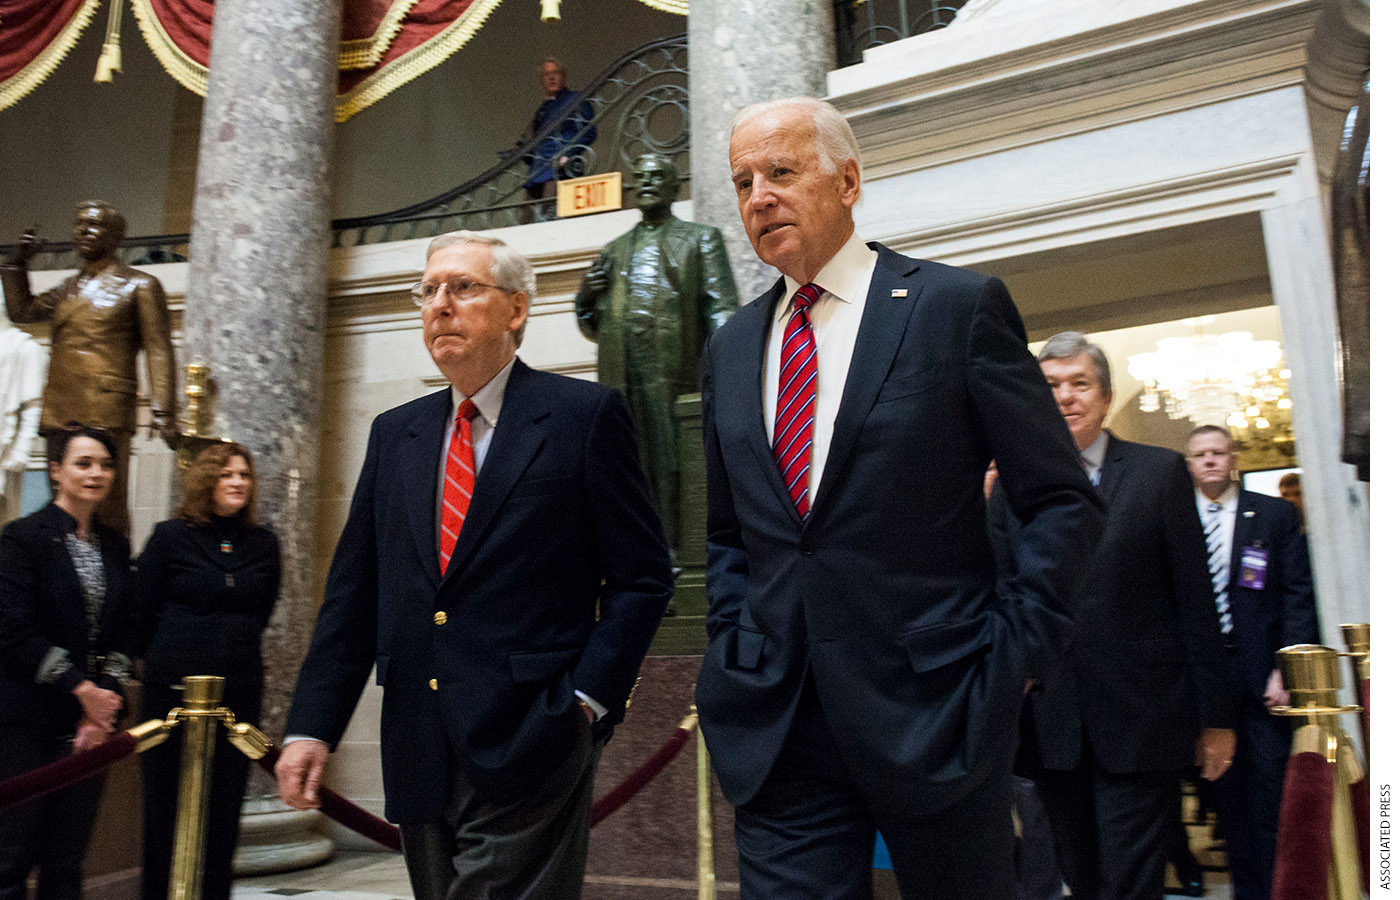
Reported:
(1078, 220)
(1130, 71)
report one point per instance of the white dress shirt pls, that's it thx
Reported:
(1092, 457)
(835, 317)
(1229, 503)
(488, 410)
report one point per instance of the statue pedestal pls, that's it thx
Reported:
(273, 837)
(684, 633)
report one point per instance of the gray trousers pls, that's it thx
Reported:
(531, 848)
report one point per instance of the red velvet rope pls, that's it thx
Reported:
(1304, 829)
(70, 770)
(356, 818)
(67, 771)
(609, 802)
(1361, 812)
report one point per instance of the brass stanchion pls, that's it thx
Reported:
(1312, 675)
(1358, 641)
(704, 818)
(201, 715)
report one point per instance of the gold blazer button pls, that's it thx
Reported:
(432, 683)
(439, 618)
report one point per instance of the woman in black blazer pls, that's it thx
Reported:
(65, 625)
(206, 585)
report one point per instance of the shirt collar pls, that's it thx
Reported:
(1228, 501)
(488, 400)
(1095, 453)
(842, 277)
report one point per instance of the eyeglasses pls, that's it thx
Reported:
(459, 290)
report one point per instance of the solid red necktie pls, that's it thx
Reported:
(797, 399)
(458, 482)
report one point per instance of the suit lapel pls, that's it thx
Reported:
(881, 332)
(1244, 533)
(751, 374)
(518, 435)
(421, 458)
(57, 525)
(1111, 475)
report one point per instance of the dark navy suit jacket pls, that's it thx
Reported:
(887, 593)
(1283, 611)
(558, 581)
(1147, 667)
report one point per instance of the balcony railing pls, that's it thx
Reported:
(640, 105)
(862, 24)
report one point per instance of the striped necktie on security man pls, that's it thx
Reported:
(458, 483)
(797, 399)
(1219, 565)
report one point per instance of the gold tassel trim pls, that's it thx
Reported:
(189, 73)
(679, 7)
(420, 59)
(18, 85)
(364, 53)
(111, 59)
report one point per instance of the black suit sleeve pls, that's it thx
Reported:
(632, 556)
(1061, 515)
(1194, 597)
(727, 567)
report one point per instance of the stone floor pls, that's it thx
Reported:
(381, 876)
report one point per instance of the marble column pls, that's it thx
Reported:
(742, 52)
(1338, 505)
(256, 307)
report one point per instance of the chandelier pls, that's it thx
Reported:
(1214, 379)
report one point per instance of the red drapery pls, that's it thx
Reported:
(384, 43)
(35, 35)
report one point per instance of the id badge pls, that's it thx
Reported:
(1254, 563)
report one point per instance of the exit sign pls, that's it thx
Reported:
(595, 193)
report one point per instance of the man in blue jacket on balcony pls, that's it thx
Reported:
(559, 152)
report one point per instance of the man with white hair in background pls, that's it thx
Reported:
(864, 670)
(503, 569)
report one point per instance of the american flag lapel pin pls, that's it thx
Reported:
(900, 292)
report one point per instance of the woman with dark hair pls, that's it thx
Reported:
(65, 626)
(206, 585)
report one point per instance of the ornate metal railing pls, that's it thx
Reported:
(862, 24)
(640, 104)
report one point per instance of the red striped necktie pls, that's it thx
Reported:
(458, 483)
(797, 399)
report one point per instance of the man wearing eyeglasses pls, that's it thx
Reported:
(503, 569)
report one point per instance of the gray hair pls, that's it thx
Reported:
(1068, 345)
(836, 142)
(510, 270)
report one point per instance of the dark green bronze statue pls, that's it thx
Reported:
(650, 301)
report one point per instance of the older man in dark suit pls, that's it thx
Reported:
(1146, 688)
(503, 569)
(864, 669)
(1264, 600)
